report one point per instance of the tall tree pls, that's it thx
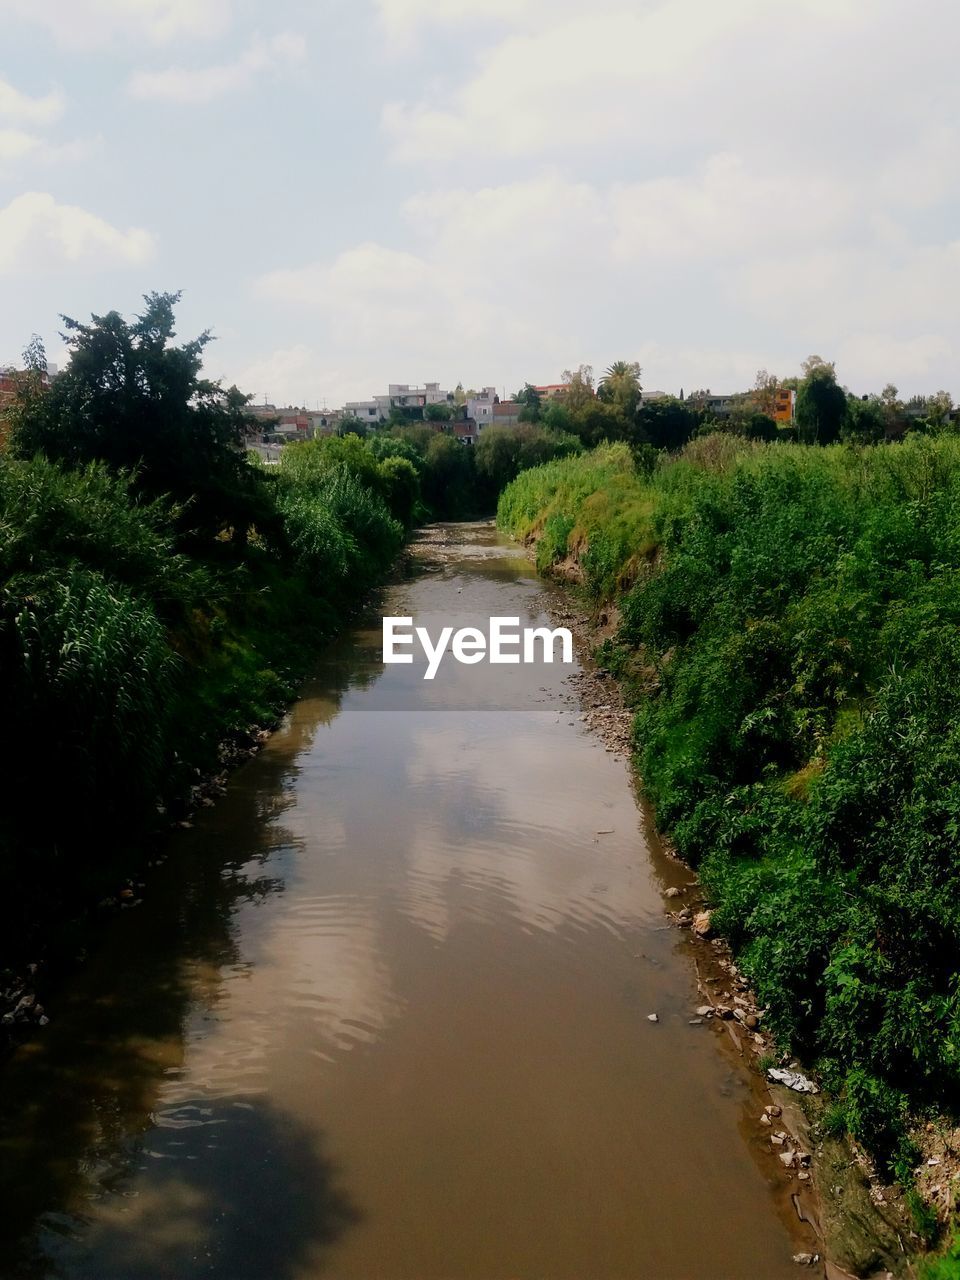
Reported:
(765, 393)
(620, 386)
(821, 403)
(132, 398)
(939, 409)
(530, 401)
(578, 387)
(666, 423)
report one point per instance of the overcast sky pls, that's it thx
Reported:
(357, 192)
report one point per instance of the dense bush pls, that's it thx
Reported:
(160, 593)
(794, 614)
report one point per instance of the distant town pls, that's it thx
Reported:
(464, 414)
(461, 413)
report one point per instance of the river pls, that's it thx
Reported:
(383, 1012)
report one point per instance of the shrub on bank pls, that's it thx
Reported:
(795, 613)
(160, 594)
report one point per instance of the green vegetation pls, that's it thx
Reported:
(792, 616)
(160, 594)
(614, 410)
(946, 1266)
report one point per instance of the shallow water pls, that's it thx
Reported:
(383, 1012)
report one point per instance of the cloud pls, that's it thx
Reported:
(19, 148)
(703, 278)
(201, 85)
(642, 82)
(91, 23)
(402, 17)
(18, 106)
(39, 235)
(16, 145)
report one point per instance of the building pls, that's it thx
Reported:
(507, 413)
(551, 390)
(785, 405)
(366, 410)
(295, 423)
(481, 406)
(11, 379)
(412, 400)
(8, 388)
(783, 409)
(466, 431)
(402, 397)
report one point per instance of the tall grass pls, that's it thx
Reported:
(796, 613)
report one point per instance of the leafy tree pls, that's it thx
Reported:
(821, 403)
(599, 420)
(309, 463)
(382, 447)
(864, 423)
(538, 445)
(502, 453)
(448, 480)
(351, 425)
(756, 426)
(939, 409)
(530, 402)
(765, 394)
(497, 458)
(35, 355)
(132, 399)
(578, 387)
(400, 483)
(556, 416)
(666, 423)
(438, 413)
(813, 364)
(894, 418)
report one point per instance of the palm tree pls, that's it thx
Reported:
(620, 384)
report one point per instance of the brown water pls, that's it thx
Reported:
(383, 1012)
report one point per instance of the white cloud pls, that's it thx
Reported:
(90, 23)
(877, 358)
(39, 235)
(203, 84)
(15, 105)
(19, 148)
(643, 81)
(16, 145)
(401, 18)
(526, 277)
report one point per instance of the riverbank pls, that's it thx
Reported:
(861, 1224)
(719, 727)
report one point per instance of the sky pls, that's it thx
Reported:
(356, 192)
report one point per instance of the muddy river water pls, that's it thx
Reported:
(383, 1012)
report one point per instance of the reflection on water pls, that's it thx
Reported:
(383, 1013)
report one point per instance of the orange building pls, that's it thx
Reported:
(784, 405)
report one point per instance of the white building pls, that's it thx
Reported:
(480, 407)
(365, 410)
(401, 395)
